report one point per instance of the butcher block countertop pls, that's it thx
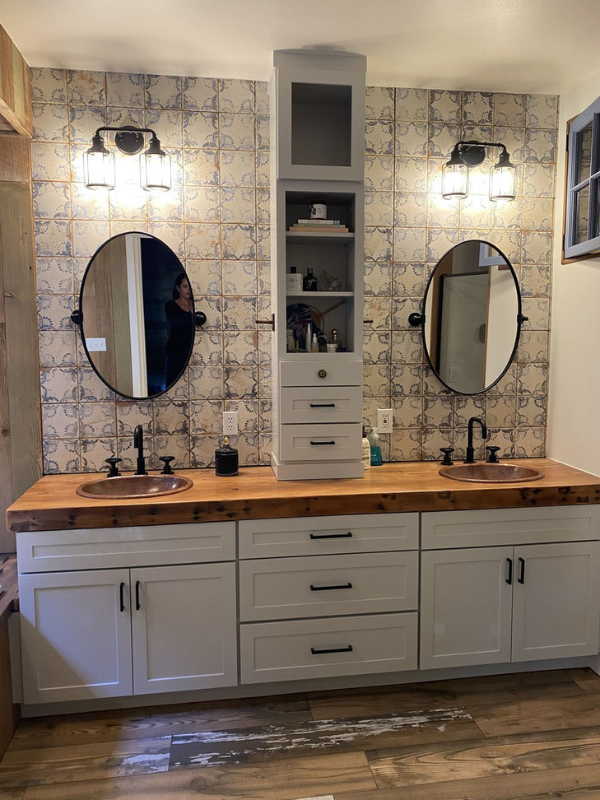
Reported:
(52, 504)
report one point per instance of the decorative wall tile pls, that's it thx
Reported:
(48, 85)
(542, 111)
(217, 219)
(200, 94)
(85, 88)
(412, 105)
(444, 106)
(50, 122)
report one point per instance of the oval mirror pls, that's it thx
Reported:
(472, 317)
(137, 315)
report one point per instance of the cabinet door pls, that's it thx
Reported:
(76, 635)
(466, 603)
(184, 627)
(320, 123)
(556, 608)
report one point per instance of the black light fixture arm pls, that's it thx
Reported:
(128, 138)
(472, 152)
(126, 128)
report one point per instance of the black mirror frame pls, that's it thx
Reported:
(77, 319)
(418, 320)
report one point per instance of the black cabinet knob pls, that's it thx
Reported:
(167, 470)
(447, 451)
(493, 457)
(113, 472)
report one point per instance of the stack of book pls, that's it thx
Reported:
(319, 225)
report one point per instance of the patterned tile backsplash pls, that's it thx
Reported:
(216, 218)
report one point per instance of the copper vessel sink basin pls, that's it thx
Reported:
(483, 472)
(131, 487)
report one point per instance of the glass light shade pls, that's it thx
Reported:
(99, 169)
(503, 182)
(155, 171)
(455, 180)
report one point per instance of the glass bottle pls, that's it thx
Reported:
(310, 281)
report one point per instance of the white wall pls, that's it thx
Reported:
(574, 401)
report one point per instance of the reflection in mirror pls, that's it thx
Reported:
(137, 315)
(472, 317)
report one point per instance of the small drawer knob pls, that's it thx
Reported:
(322, 373)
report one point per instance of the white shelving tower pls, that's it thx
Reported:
(317, 150)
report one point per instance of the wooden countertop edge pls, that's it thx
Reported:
(265, 498)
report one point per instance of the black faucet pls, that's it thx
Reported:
(138, 442)
(470, 459)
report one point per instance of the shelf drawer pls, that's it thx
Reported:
(321, 404)
(287, 588)
(321, 372)
(446, 529)
(331, 442)
(102, 548)
(285, 651)
(311, 536)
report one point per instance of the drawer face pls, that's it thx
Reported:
(292, 588)
(445, 529)
(321, 404)
(101, 548)
(335, 442)
(321, 372)
(287, 651)
(348, 533)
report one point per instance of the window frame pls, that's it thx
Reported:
(591, 246)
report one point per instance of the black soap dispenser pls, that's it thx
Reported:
(226, 460)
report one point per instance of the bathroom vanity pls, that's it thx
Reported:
(249, 586)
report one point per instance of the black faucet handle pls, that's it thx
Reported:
(447, 451)
(167, 470)
(113, 472)
(493, 457)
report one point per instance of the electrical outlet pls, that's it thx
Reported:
(230, 423)
(385, 420)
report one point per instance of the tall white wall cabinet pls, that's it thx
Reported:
(317, 127)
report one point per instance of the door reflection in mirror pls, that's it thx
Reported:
(137, 315)
(472, 312)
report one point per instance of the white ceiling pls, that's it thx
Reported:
(490, 45)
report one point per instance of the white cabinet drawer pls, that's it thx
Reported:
(325, 585)
(321, 404)
(346, 533)
(102, 548)
(324, 648)
(321, 372)
(446, 529)
(332, 442)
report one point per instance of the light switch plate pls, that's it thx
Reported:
(385, 420)
(95, 345)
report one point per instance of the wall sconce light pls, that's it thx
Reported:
(99, 163)
(455, 173)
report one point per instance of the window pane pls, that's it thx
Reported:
(582, 206)
(584, 153)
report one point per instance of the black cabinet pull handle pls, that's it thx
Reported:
(328, 588)
(331, 535)
(510, 571)
(348, 649)
(521, 577)
(137, 596)
(320, 443)
(122, 597)
(322, 405)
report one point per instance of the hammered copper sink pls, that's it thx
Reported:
(491, 473)
(131, 487)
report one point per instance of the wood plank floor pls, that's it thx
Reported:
(530, 736)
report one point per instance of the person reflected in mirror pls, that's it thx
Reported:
(180, 319)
